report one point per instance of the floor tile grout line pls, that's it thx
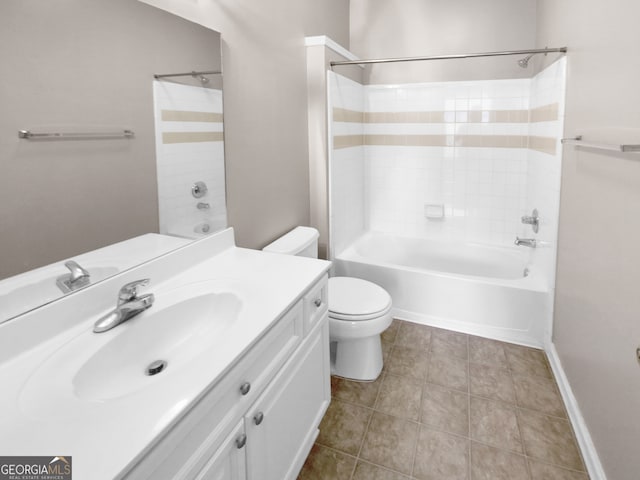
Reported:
(420, 412)
(532, 410)
(563, 467)
(516, 404)
(501, 449)
(384, 467)
(366, 430)
(333, 449)
(551, 464)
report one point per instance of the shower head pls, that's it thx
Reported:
(524, 62)
(199, 76)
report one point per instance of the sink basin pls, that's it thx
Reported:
(174, 334)
(95, 368)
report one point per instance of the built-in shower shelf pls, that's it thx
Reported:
(623, 147)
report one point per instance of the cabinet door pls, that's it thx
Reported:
(229, 461)
(283, 423)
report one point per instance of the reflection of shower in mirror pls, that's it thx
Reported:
(190, 159)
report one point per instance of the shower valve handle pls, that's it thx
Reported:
(533, 220)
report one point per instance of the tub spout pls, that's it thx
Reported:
(527, 242)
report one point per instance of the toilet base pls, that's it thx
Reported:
(357, 358)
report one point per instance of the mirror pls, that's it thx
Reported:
(87, 67)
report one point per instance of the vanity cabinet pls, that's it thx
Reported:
(229, 461)
(259, 421)
(282, 424)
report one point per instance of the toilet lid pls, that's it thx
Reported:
(354, 296)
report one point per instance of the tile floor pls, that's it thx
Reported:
(447, 406)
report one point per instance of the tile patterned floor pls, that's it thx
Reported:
(447, 406)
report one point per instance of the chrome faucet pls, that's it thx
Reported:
(129, 305)
(527, 242)
(77, 278)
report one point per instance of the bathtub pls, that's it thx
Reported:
(494, 292)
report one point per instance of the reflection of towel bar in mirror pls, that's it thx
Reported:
(579, 142)
(75, 136)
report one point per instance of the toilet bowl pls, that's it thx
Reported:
(359, 311)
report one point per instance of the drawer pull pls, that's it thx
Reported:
(244, 388)
(258, 417)
(241, 441)
(317, 302)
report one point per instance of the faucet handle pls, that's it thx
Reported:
(533, 220)
(129, 291)
(77, 272)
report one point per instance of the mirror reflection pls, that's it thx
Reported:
(127, 150)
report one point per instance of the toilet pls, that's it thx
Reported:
(359, 311)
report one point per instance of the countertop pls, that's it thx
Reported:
(104, 437)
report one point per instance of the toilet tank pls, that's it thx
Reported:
(301, 241)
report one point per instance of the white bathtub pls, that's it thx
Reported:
(494, 292)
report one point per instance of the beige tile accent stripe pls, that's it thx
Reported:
(404, 117)
(410, 140)
(345, 141)
(493, 141)
(191, 137)
(344, 115)
(187, 116)
(460, 116)
(541, 144)
(546, 113)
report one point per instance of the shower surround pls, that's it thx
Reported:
(452, 162)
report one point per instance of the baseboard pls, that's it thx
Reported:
(588, 449)
(502, 334)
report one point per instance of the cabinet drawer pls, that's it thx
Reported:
(315, 304)
(187, 447)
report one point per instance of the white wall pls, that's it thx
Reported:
(265, 103)
(404, 28)
(597, 307)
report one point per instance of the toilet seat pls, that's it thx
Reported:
(354, 299)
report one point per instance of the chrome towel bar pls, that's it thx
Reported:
(27, 134)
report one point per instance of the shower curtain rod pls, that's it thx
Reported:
(187, 74)
(447, 57)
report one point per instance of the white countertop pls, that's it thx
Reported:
(41, 413)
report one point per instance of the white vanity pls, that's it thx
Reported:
(245, 383)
